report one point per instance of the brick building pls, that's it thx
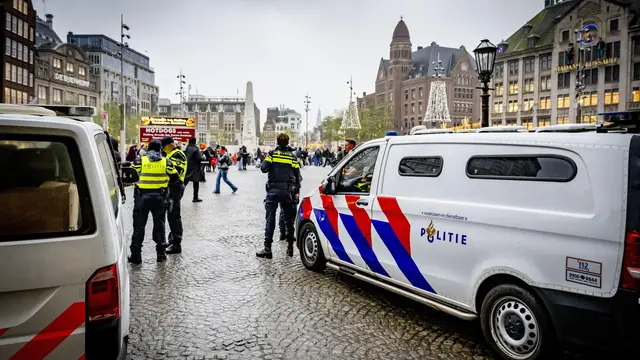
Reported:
(403, 81)
(18, 60)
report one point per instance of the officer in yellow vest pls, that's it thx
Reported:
(149, 197)
(176, 190)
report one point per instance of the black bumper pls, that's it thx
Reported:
(104, 341)
(605, 323)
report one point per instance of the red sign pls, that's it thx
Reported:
(148, 133)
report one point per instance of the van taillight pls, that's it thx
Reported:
(631, 262)
(103, 294)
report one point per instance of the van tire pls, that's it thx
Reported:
(310, 248)
(516, 324)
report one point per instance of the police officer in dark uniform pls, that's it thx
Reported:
(150, 194)
(296, 199)
(176, 191)
(283, 182)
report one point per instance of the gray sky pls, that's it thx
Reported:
(285, 47)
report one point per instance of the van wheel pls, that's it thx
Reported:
(516, 324)
(310, 249)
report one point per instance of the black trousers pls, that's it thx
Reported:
(274, 198)
(145, 203)
(281, 218)
(174, 215)
(196, 188)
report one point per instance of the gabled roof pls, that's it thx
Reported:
(423, 59)
(542, 25)
(45, 34)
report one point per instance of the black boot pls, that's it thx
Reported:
(135, 259)
(290, 249)
(174, 249)
(161, 257)
(265, 253)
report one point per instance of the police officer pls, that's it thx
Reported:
(283, 182)
(176, 190)
(295, 196)
(149, 197)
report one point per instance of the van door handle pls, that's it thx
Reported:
(362, 202)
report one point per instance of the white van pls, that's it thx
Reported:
(64, 283)
(536, 234)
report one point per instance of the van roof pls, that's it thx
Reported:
(25, 110)
(45, 121)
(520, 138)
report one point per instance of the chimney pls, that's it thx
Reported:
(419, 47)
(364, 93)
(49, 20)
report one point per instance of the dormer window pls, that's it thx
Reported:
(532, 41)
(527, 29)
(502, 47)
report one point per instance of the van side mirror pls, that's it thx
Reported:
(129, 176)
(329, 187)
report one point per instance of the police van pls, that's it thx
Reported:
(535, 234)
(64, 283)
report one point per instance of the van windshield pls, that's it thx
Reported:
(43, 189)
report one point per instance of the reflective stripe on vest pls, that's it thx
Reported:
(181, 166)
(153, 174)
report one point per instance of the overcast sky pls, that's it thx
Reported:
(285, 47)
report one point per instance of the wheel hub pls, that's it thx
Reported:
(311, 246)
(514, 328)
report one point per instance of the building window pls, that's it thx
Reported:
(14, 48)
(614, 25)
(42, 94)
(69, 67)
(529, 65)
(528, 104)
(82, 71)
(499, 89)
(7, 96)
(636, 71)
(513, 106)
(529, 86)
(590, 98)
(562, 58)
(513, 67)
(612, 73)
(590, 76)
(545, 83)
(565, 36)
(14, 25)
(93, 101)
(611, 97)
(14, 73)
(635, 95)
(20, 51)
(20, 27)
(545, 103)
(563, 101)
(498, 107)
(57, 63)
(421, 166)
(564, 80)
(25, 77)
(522, 167)
(562, 120)
(7, 22)
(82, 100)
(498, 71)
(7, 46)
(31, 57)
(612, 49)
(589, 119)
(57, 96)
(513, 87)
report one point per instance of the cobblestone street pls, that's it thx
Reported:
(217, 300)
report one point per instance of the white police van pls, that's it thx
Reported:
(536, 234)
(64, 288)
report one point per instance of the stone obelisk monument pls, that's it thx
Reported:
(249, 122)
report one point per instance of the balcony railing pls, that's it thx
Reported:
(633, 105)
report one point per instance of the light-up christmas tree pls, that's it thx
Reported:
(437, 107)
(351, 119)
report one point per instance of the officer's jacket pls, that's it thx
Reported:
(283, 170)
(179, 160)
(155, 171)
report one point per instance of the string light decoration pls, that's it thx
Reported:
(351, 119)
(437, 107)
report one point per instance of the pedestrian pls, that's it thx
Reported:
(224, 161)
(349, 144)
(194, 170)
(283, 182)
(150, 195)
(176, 191)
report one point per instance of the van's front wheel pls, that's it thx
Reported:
(310, 248)
(516, 325)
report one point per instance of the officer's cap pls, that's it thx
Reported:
(155, 145)
(167, 140)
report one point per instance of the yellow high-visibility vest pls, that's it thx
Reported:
(153, 174)
(179, 160)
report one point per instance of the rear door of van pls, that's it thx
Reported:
(49, 246)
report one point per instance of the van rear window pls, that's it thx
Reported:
(430, 166)
(43, 190)
(522, 167)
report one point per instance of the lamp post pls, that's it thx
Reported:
(485, 61)
(181, 78)
(123, 92)
(307, 101)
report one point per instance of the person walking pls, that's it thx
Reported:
(224, 162)
(176, 191)
(283, 181)
(149, 195)
(194, 170)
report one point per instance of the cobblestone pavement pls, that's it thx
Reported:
(217, 300)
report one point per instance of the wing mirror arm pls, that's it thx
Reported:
(329, 186)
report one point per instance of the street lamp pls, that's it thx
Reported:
(485, 61)
(307, 101)
(123, 93)
(181, 78)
